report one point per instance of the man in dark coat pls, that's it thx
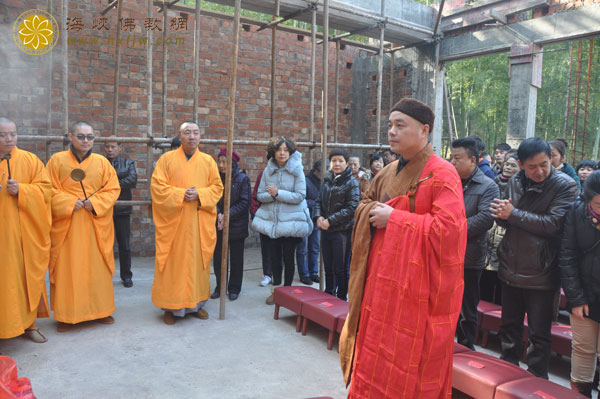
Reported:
(533, 215)
(125, 169)
(479, 191)
(238, 226)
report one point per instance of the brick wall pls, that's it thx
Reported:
(25, 80)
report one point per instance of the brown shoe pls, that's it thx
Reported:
(35, 335)
(201, 314)
(106, 320)
(168, 318)
(270, 300)
(63, 327)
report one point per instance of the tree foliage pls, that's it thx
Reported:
(479, 91)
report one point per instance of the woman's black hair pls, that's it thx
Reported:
(338, 151)
(584, 163)
(559, 146)
(275, 144)
(375, 157)
(512, 153)
(591, 187)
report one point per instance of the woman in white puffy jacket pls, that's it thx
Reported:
(283, 215)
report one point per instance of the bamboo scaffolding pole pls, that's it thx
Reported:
(164, 69)
(196, 58)
(49, 115)
(448, 111)
(577, 98)
(65, 65)
(149, 132)
(392, 67)
(568, 96)
(231, 126)
(273, 68)
(380, 75)
(117, 68)
(313, 56)
(325, 113)
(336, 111)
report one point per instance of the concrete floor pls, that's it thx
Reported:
(247, 355)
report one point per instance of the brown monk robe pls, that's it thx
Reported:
(81, 259)
(24, 237)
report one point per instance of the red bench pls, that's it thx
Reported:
(477, 374)
(562, 335)
(292, 298)
(483, 307)
(458, 348)
(326, 313)
(534, 388)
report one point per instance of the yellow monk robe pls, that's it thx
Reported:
(185, 232)
(81, 257)
(24, 243)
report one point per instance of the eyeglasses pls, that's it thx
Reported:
(81, 137)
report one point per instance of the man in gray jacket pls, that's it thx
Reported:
(479, 191)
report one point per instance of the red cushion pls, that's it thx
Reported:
(477, 374)
(458, 348)
(325, 312)
(484, 306)
(534, 388)
(292, 297)
(562, 335)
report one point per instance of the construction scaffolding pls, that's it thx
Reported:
(406, 33)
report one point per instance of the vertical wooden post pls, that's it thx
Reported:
(273, 68)
(117, 67)
(230, 129)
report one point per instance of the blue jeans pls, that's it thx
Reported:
(309, 248)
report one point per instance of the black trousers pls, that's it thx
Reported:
(236, 263)
(467, 323)
(335, 250)
(122, 232)
(490, 288)
(539, 306)
(283, 247)
(265, 251)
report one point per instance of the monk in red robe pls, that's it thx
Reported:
(406, 275)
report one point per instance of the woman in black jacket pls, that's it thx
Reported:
(580, 273)
(238, 226)
(334, 214)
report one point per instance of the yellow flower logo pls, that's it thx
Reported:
(35, 32)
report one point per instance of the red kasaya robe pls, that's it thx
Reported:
(414, 285)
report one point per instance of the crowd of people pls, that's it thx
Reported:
(506, 229)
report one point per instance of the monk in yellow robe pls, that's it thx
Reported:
(25, 220)
(81, 258)
(185, 189)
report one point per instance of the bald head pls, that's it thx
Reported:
(8, 136)
(189, 134)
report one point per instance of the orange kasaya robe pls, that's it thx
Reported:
(185, 230)
(25, 243)
(81, 258)
(406, 284)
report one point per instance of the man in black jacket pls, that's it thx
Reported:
(479, 191)
(125, 169)
(533, 215)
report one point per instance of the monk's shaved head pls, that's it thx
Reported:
(8, 136)
(189, 134)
